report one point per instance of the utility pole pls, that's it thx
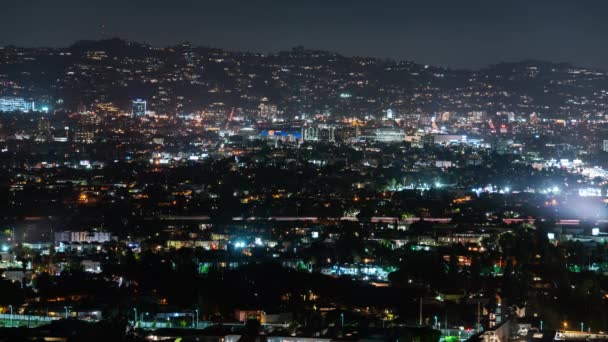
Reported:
(420, 315)
(478, 314)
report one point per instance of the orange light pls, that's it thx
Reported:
(83, 198)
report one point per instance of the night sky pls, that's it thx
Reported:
(440, 32)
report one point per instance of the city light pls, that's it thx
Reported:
(384, 181)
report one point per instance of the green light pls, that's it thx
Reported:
(203, 268)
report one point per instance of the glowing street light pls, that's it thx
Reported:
(195, 319)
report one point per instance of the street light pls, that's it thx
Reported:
(135, 320)
(11, 308)
(66, 311)
(541, 325)
(582, 327)
(196, 326)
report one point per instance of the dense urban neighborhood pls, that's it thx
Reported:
(188, 193)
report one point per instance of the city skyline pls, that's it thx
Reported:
(267, 171)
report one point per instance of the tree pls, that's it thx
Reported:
(11, 293)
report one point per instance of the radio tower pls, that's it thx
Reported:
(102, 31)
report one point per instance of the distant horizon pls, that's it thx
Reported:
(467, 34)
(310, 48)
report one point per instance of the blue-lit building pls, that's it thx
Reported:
(139, 107)
(15, 104)
(284, 132)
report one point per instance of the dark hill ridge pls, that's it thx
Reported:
(186, 78)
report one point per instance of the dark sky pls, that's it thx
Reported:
(459, 33)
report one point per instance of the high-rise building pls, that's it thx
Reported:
(389, 114)
(85, 132)
(43, 132)
(15, 104)
(266, 110)
(139, 108)
(84, 135)
(605, 146)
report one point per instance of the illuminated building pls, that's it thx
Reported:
(266, 110)
(385, 135)
(139, 108)
(411, 119)
(476, 116)
(82, 236)
(446, 139)
(43, 132)
(84, 135)
(15, 104)
(321, 133)
(389, 114)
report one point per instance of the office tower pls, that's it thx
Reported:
(139, 108)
